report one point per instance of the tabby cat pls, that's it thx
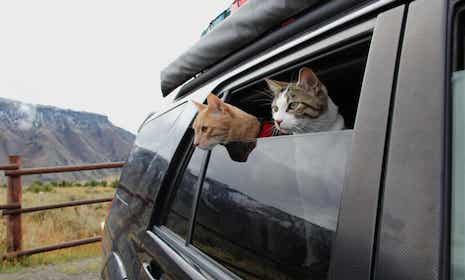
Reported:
(304, 106)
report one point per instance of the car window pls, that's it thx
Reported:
(274, 216)
(268, 208)
(144, 154)
(458, 157)
(181, 201)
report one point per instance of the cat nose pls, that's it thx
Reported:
(196, 144)
(278, 122)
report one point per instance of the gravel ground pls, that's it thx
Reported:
(88, 269)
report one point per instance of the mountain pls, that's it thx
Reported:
(50, 136)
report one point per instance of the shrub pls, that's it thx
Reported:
(65, 184)
(40, 188)
(114, 184)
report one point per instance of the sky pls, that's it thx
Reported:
(96, 56)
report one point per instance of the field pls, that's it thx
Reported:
(58, 225)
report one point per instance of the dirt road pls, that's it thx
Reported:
(88, 269)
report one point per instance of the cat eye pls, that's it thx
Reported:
(275, 109)
(204, 129)
(293, 106)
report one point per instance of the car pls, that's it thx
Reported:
(236, 4)
(382, 199)
(222, 16)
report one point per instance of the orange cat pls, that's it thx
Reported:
(221, 123)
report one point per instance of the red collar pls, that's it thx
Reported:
(266, 130)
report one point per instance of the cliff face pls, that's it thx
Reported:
(50, 136)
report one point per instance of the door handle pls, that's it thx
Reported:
(153, 272)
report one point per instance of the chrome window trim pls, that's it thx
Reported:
(192, 255)
(177, 258)
(155, 115)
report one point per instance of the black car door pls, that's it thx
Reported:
(213, 217)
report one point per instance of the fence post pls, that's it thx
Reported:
(14, 235)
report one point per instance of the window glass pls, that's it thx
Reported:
(458, 155)
(458, 176)
(180, 210)
(273, 214)
(146, 146)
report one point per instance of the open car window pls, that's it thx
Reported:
(268, 208)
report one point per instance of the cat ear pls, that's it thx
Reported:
(275, 86)
(307, 78)
(215, 103)
(199, 106)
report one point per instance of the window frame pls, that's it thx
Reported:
(183, 156)
(455, 48)
(310, 49)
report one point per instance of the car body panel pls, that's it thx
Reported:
(411, 220)
(359, 204)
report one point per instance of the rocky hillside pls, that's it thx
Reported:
(50, 136)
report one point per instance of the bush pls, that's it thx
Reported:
(40, 188)
(65, 184)
(38, 183)
(114, 184)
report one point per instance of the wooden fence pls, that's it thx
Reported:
(13, 209)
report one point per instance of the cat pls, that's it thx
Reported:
(304, 106)
(297, 108)
(221, 123)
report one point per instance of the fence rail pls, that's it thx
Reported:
(12, 210)
(69, 244)
(9, 167)
(62, 169)
(54, 206)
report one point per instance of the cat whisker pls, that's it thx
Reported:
(261, 100)
(263, 93)
(275, 131)
(257, 98)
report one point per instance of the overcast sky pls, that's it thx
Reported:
(94, 55)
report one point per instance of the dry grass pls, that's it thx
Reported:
(56, 226)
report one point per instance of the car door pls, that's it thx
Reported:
(191, 198)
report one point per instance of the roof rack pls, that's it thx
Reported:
(251, 30)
